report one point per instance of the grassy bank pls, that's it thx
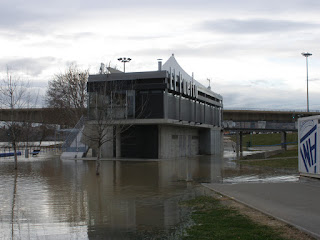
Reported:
(266, 139)
(213, 220)
(286, 159)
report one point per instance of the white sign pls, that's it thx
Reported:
(308, 145)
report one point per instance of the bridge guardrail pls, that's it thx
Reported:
(259, 125)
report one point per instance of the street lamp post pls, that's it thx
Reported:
(307, 55)
(124, 60)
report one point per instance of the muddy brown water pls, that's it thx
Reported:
(49, 198)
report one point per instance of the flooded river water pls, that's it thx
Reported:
(49, 198)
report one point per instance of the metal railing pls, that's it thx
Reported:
(259, 125)
(74, 133)
(268, 110)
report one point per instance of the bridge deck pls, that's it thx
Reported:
(56, 116)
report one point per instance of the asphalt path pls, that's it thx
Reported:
(296, 203)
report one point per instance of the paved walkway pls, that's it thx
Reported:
(296, 203)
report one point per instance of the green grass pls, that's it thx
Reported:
(286, 159)
(293, 152)
(266, 139)
(212, 220)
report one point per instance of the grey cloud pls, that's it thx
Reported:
(28, 16)
(12, 15)
(264, 97)
(36, 15)
(62, 40)
(77, 35)
(254, 26)
(267, 83)
(257, 100)
(148, 37)
(314, 79)
(218, 50)
(20, 19)
(31, 66)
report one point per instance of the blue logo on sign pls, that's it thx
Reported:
(308, 149)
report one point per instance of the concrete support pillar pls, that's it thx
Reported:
(107, 147)
(94, 152)
(188, 171)
(116, 172)
(210, 141)
(118, 142)
(165, 104)
(284, 140)
(180, 96)
(195, 110)
(239, 143)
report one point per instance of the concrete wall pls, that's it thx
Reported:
(107, 147)
(176, 141)
(90, 135)
(168, 141)
(210, 141)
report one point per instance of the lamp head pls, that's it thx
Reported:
(306, 54)
(124, 59)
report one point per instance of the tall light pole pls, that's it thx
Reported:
(124, 60)
(307, 55)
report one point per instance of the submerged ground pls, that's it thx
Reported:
(48, 198)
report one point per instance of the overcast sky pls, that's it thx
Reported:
(250, 49)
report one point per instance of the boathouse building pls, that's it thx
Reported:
(157, 114)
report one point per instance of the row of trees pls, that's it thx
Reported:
(108, 106)
(67, 92)
(14, 95)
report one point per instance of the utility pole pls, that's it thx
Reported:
(307, 55)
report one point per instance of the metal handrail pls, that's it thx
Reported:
(74, 132)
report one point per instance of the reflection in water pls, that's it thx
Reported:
(53, 199)
(13, 203)
(56, 199)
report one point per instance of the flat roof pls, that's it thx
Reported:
(128, 76)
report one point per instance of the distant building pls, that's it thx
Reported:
(169, 113)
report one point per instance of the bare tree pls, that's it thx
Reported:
(109, 108)
(31, 101)
(68, 91)
(13, 96)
